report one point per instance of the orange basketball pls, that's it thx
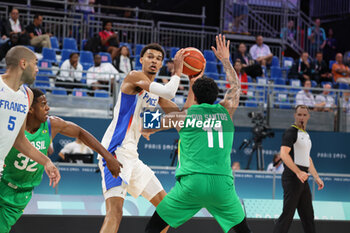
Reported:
(194, 62)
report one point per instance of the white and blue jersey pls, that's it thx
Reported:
(14, 107)
(123, 134)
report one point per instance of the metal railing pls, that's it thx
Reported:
(337, 8)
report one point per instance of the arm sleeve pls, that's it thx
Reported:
(79, 72)
(251, 51)
(319, 99)
(168, 90)
(64, 69)
(289, 137)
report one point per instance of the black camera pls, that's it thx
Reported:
(260, 130)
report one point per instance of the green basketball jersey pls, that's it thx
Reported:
(206, 141)
(21, 171)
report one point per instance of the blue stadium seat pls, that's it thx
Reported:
(138, 49)
(276, 72)
(331, 62)
(83, 43)
(42, 79)
(211, 68)
(295, 83)
(313, 83)
(86, 66)
(59, 91)
(209, 56)
(275, 62)
(105, 57)
(138, 65)
(49, 55)
(30, 47)
(173, 51)
(344, 86)
(70, 43)
(250, 79)
(86, 57)
(54, 43)
(279, 81)
(287, 62)
(79, 92)
(251, 102)
(261, 81)
(214, 76)
(282, 101)
(101, 94)
(65, 54)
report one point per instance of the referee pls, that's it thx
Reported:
(295, 153)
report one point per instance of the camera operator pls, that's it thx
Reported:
(295, 153)
(276, 165)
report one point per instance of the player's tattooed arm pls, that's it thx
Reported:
(222, 52)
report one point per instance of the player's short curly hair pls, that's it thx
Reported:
(205, 90)
(154, 46)
(37, 93)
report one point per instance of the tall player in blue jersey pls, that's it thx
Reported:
(15, 101)
(138, 92)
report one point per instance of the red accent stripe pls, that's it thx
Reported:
(130, 121)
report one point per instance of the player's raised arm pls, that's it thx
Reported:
(222, 52)
(137, 79)
(72, 130)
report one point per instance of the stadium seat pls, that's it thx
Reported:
(250, 79)
(275, 62)
(331, 62)
(49, 55)
(276, 72)
(343, 86)
(83, 43)
(251, 102)
(42, 79)
(214, 76)
(313, 83)
(86, 57)
(173, 51)
(105, 57)
(59, 91)
(279, 81)
(86, 66)
(54, 43)
(295, 83)
(101, 94)
(138, 65)
(209, 56)
(138, 49)
(70, 43)
(30, 47)
(261, 81)
(79, 92)
(65, 54)
(211, 68)
(287, 62)
(282, 101)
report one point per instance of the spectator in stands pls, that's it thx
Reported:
(260, 52)
(341, 73)
(5, 47)
(76, 147)
(288, 33)
(250, 67)
(276, 165)
(236, 166)
(38, 37)
(301, 68)
(317, 38)
(324, 101)
(321, 72)
(71, 73)
(305, 97)
(3, 37)
(109, 39)
(101, 75)
(13, 25)
(123, 62)
(243, 79)
(168, 71)
(330, 48)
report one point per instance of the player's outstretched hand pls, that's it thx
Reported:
(222, 49)
(114, 166)
(53, 173)
(179, 61)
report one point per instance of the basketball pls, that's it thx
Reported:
(194, 62)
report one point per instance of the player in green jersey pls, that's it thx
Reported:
(203, 174)
(21, 174)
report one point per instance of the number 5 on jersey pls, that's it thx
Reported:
(11, 125)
